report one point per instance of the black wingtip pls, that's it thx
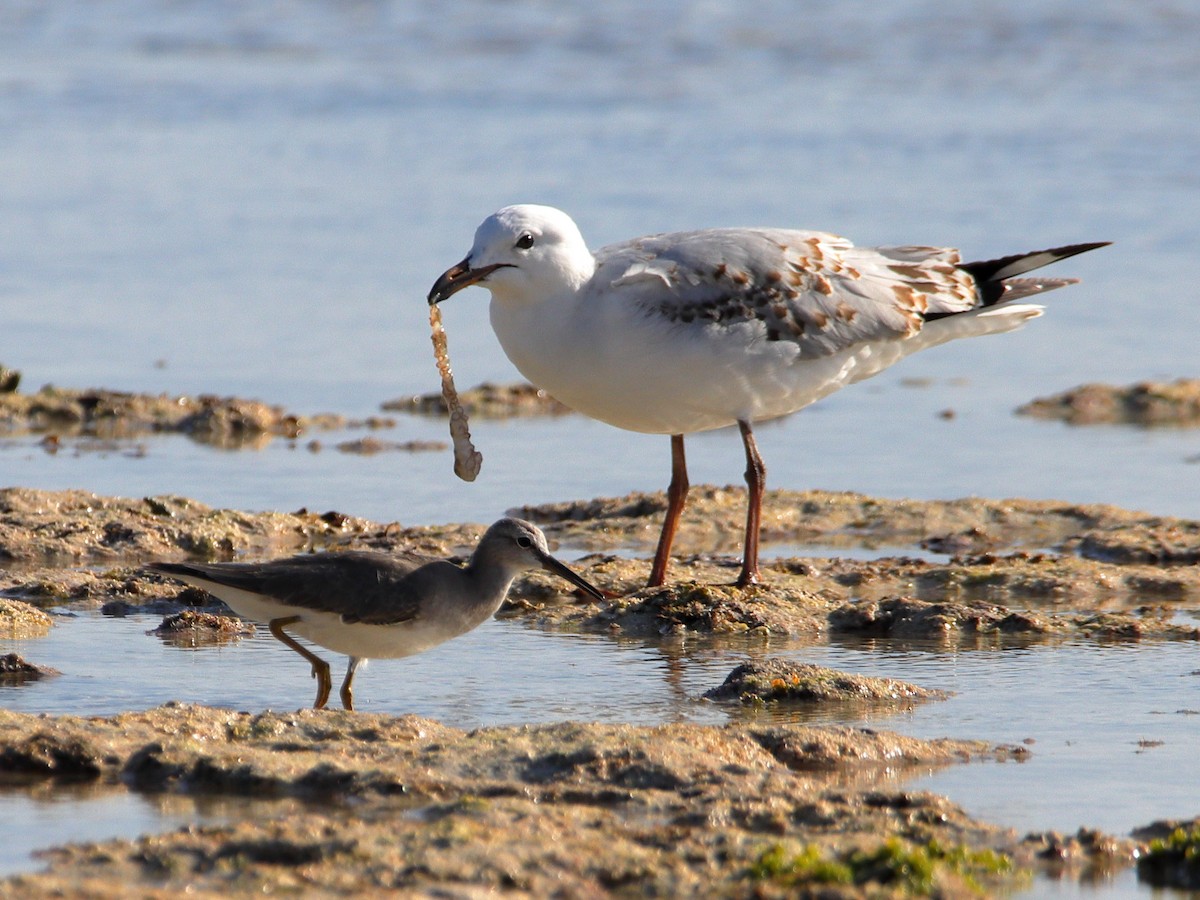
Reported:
(1019, 263)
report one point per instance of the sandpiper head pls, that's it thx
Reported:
(521, 251)
(519, 545)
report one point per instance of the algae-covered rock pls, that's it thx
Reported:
(1172, 855)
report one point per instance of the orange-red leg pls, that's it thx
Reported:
(756, 479)
(676, 500)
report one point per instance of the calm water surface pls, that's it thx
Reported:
(1111, 729)
(210, 197)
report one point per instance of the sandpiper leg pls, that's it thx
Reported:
(676, 499)
(756, 477)
(346, 694)
(320, 668)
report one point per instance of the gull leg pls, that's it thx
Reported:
(320, 668)
(756, 477)
(346, 694)
(676, 499)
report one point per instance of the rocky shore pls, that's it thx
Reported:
(573, 809)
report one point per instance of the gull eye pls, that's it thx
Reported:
(524, 242)
(524, 542)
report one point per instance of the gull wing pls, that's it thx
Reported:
(813, 289)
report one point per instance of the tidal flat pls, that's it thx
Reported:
(753, 807)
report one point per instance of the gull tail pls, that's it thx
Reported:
(997, 277)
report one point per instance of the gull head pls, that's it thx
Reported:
(523, 252)
(512, 546)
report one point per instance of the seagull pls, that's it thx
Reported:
(690, 331)
(371, 604)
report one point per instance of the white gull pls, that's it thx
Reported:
(695, 330)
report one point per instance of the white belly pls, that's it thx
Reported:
(329, 631)
(655, 376)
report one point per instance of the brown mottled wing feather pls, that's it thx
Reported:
(358, 585)
(813, 289)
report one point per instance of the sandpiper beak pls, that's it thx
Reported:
(550, 564)
(458, 277)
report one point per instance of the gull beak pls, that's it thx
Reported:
(550, 564)
(458, 277)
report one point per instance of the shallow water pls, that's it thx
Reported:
(205, 198)
(50, 818)
(1121, 715)
(228, 199)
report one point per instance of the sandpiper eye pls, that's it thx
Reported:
(525, 542)
(524, 242)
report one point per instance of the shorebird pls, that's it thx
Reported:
(369, 604)
(690, 331)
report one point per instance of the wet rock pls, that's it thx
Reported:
(39, 753)
(227, 422)
(1147, 404)
(22, 620)
(829, 748)
(780, 681)
(16, 670)
(190, 628)
(489, 401)
(904, 617)
(1170, 544)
